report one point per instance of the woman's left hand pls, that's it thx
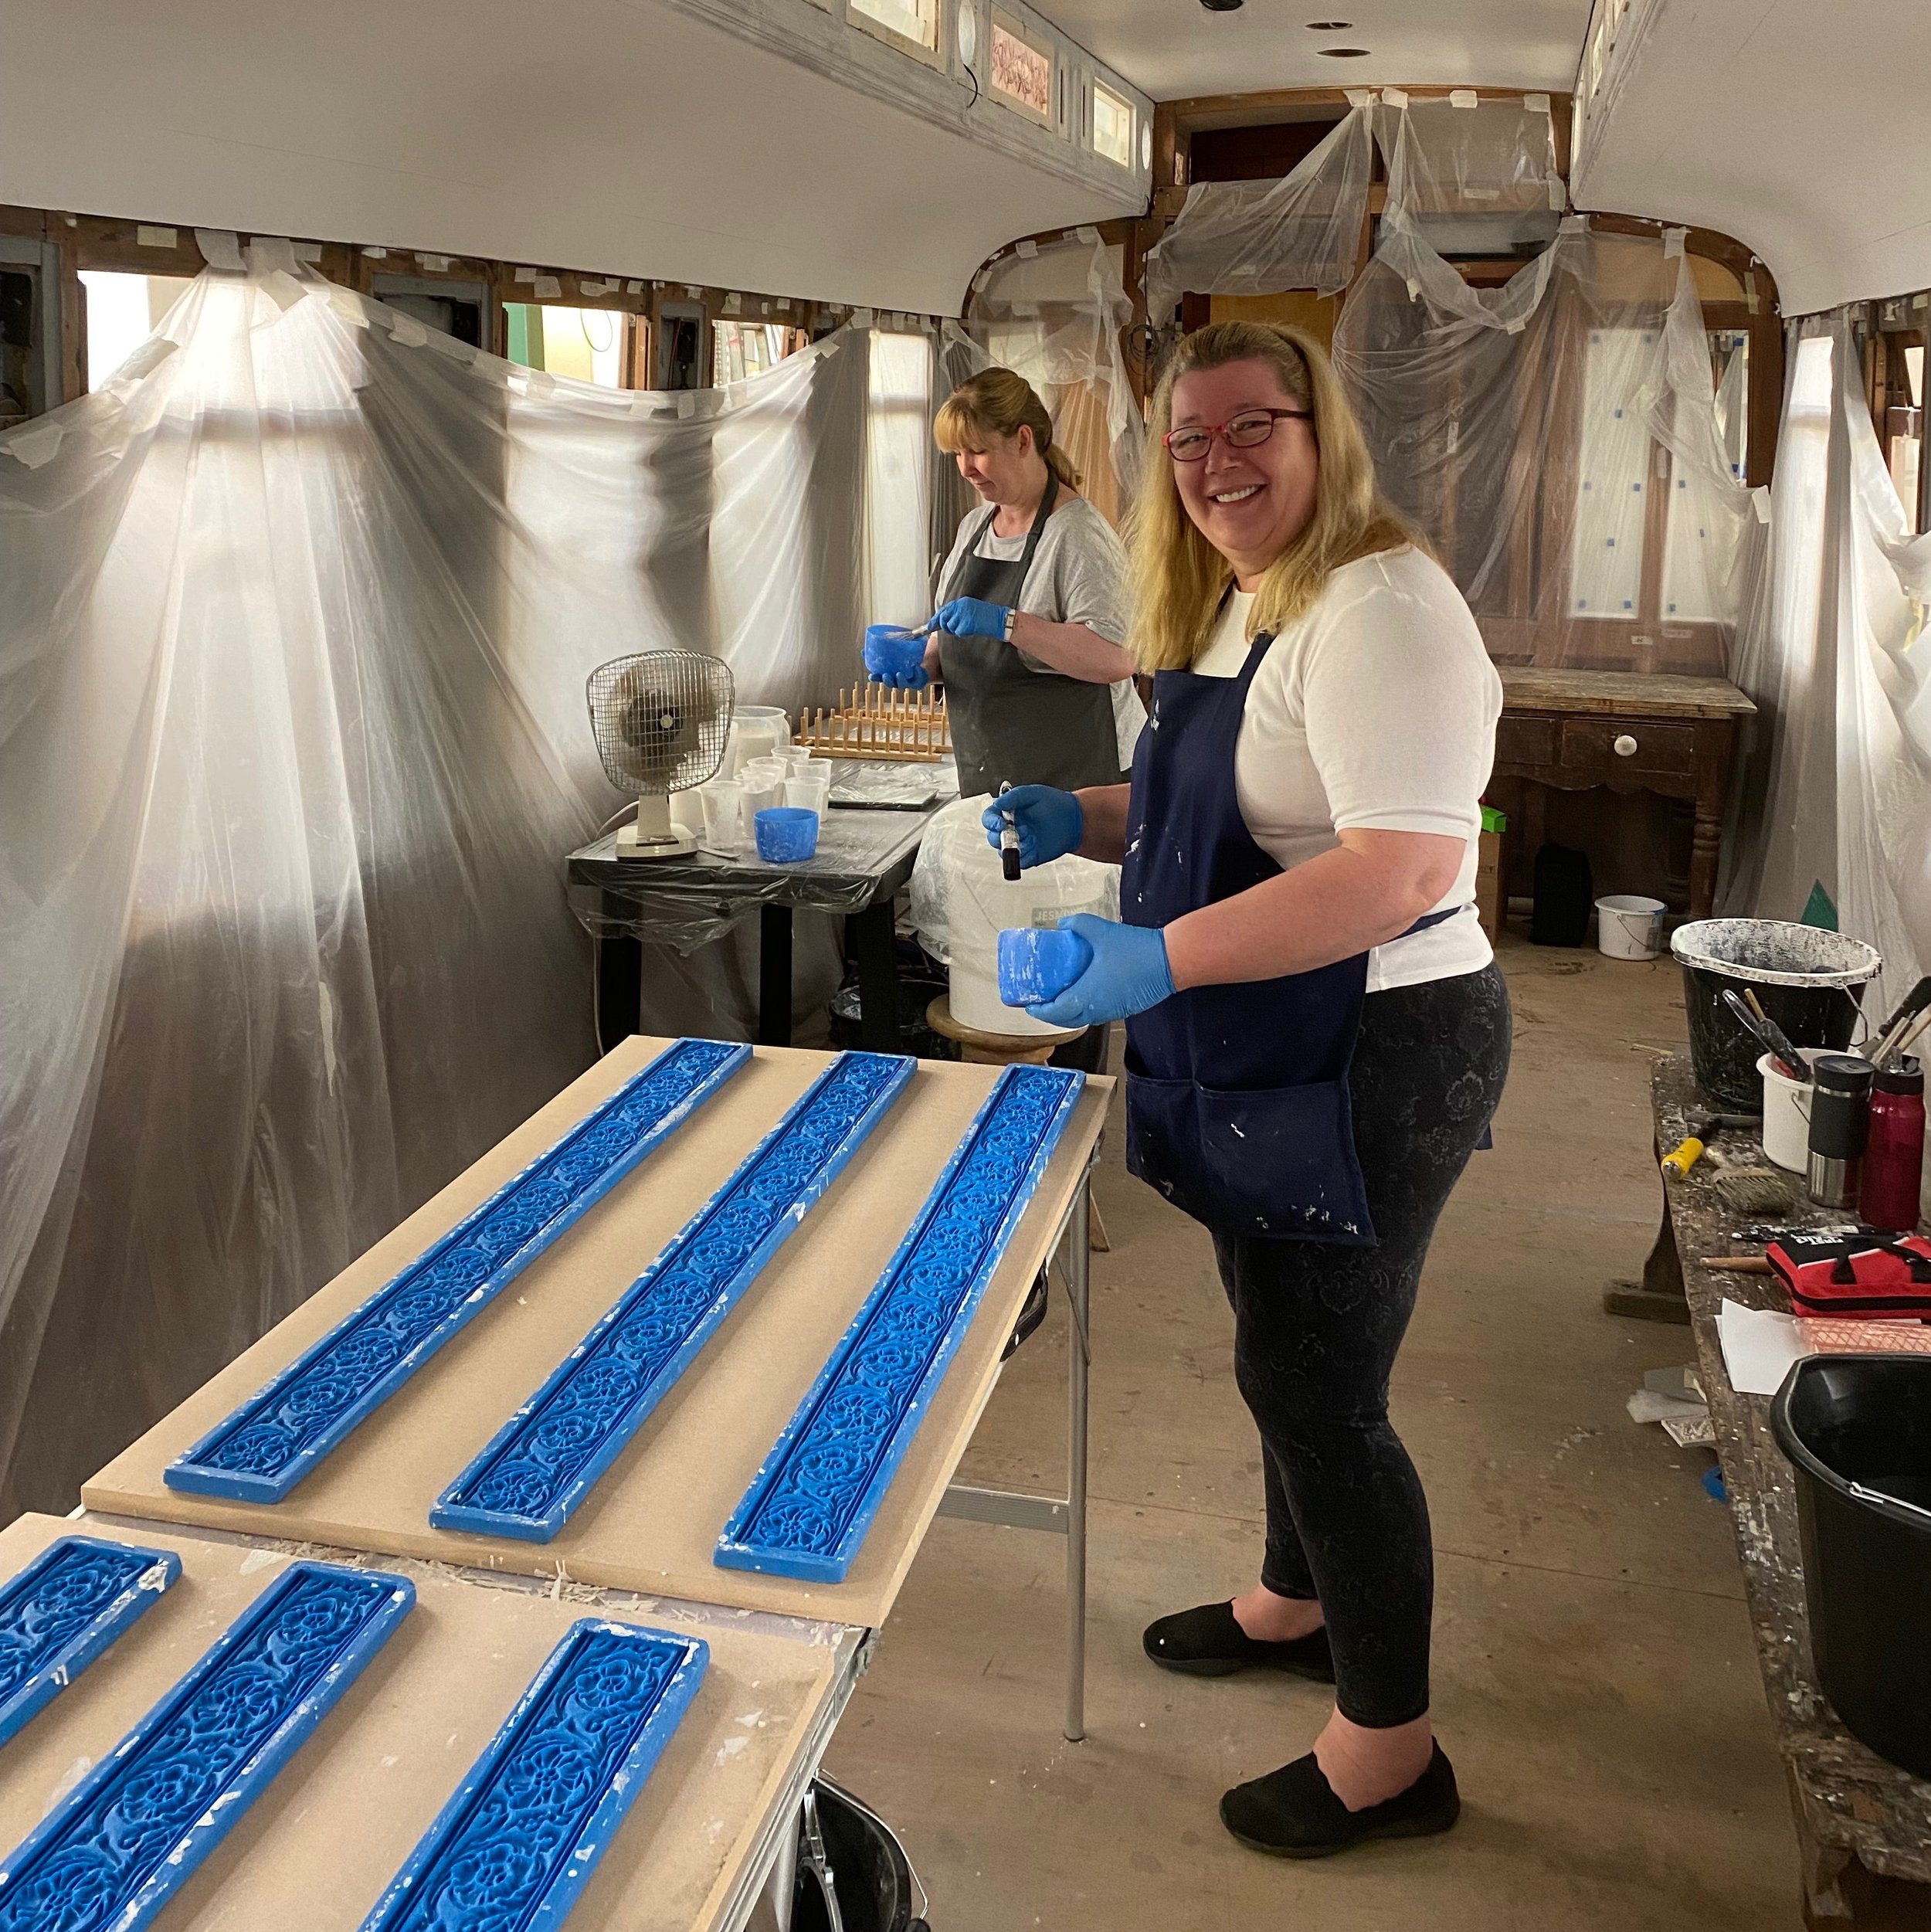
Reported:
(972, 617)
(1129, 973)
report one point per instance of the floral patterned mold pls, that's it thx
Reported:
(523, 1832)
(811, 1502)
(64, 1609)
(126, 1839)
(542, 1463)
(260, 1452)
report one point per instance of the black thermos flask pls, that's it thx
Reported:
(1840, 1124)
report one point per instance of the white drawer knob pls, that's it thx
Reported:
(1625, 746)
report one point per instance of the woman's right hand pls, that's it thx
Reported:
(1050, 823)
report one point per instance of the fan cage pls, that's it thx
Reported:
(660, 719)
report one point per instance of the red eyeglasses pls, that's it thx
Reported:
(1250, 428)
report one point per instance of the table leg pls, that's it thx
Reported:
(620, 980)
(774, 976)
(1078, 1260)
(871, 943)
(1659, 1296)
(1706, 849)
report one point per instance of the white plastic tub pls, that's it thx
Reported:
(1787, 1116)
(1629, 926)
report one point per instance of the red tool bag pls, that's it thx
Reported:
(1867, 1273)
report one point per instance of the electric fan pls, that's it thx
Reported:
(660, 718)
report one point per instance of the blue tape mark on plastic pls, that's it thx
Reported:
(64, 1609)
(522, 1833)
(541, 1464)
(260, 1452)
(810, 1504)
(118, 1846)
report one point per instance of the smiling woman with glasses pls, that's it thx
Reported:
(1317, 1033)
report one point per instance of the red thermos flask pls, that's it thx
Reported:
(1894, 1154)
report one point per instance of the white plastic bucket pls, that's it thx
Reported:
(1629, 926)
(1787, 1116)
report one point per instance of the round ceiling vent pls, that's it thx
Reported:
(1343, 54)
(1329, 27)
(968, 34)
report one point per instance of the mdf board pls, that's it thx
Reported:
(319, 1846)
(653, 1522)
(1316, 313)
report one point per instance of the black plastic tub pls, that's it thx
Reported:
(916, 992)
(870, 1872)
(1810, 982)
(1857, 1429)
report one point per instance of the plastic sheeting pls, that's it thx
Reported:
(292, 745)
(1263, 237)
(1556, 441)
(1836, 785)
(1054, 314)
(1472, 175)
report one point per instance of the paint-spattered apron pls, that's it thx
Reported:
(1011, 724)
(1236, 1096)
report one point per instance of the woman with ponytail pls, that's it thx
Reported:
(1030, 633)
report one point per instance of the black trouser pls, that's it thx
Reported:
(1316, 1328)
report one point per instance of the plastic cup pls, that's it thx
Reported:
(808, 790)
(723, 815)
(762, 791)
(798, 759)
(786, 834)
(1039, 962)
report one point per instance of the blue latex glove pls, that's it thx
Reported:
(885, 663)
(1050, 823)
(971, 617)
(916, 679)
(1129, 974)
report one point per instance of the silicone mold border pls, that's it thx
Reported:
(59, 1613)
(260, 1451)
(814, 1497)
(525, 1828)
(129, 1836)
(539, 1466)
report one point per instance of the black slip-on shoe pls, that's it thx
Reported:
(1208, 1642)
(1294, 1813)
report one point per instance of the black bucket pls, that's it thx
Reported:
(916, 992)
(869, 1872)
(1810, 981)
(1851, 1423)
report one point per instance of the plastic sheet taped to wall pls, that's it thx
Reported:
(298, 612)
(1556, 439)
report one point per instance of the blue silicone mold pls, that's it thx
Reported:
(260, 1452)
(808, 1506)
(888, 647)
(542, 1463)
(786, 833)
(129, 1836)
(64, 1609)
(1039, 962)
(522, 1833)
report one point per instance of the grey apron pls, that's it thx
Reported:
(1011, 724)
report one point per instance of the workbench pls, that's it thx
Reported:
(1863, 1824)
(640, 1548)
(864, 857)
(1627, 730)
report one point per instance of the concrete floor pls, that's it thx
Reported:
(1594, 1678)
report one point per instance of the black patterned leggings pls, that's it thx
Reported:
(1316, 1329)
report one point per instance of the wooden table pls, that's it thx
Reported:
(1863, 1824)
(1629, 732)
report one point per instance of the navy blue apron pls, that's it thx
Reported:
(1236, 1096)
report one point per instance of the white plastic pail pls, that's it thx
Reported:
(1629, 926)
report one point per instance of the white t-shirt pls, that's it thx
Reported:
(1376, 711)
(1078, 576)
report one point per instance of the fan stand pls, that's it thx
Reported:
(651, 835)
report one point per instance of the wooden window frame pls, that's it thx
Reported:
(1011, 24)
(883, 31)
(1099, 87)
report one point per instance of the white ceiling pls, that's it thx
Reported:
(615, 136)
(1174, 48)
(1801, 129)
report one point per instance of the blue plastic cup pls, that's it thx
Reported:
(891, 651)
(1039, 962)
(785, 833)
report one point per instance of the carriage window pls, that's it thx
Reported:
(123, 311)
(1730, 374)
(913, 20)
(599, 345)
(739, 349)
(1112, 126)
(1022, 70)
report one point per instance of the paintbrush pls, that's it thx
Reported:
(1784, 1056)
(1890, 1033)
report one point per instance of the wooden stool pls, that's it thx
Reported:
(981, 1049)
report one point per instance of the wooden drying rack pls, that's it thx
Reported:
(879, 721)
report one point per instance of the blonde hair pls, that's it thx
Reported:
(1000, 403)
(1179, 578)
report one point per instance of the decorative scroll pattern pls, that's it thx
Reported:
(262, 1451)
(540, 1466)
(524, 1832)
(127, 1837)
(808, 1507)
(64, 1609)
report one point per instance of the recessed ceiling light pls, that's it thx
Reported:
(1222, 6)
(1329, 27)
(1343, 54)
